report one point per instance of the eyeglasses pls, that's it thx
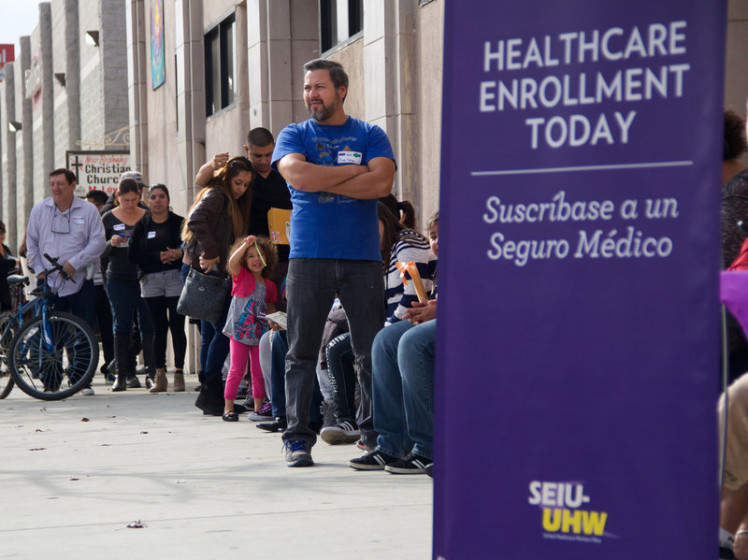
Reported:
(61, 222)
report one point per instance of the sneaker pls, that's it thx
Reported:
(374, 461)
(279, 425)
(297, 454)
(344, 432)
(87, 391)
(133, 383)
(412, 464)
(265, 413)
(430, 470)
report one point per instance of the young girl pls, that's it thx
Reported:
(252, 259)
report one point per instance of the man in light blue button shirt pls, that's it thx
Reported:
(70, 229)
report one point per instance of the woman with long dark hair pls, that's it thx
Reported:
(123, 289)
(219, 215)
(155, 247)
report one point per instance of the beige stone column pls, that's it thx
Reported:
(8, 104)
(137, 65)
(390, 80)
(281, 36)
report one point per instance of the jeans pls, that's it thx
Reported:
(311, 288)
(403, 361)
(125, 300)
(81, 303)
(214, 345)
(278, 381)
(183, 272)
(342, 377)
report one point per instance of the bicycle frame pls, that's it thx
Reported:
(38, 306)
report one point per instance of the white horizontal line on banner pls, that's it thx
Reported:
(684, 163)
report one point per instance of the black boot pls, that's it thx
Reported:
(149, 357)
(132, 359)
(210, 400)
(121, 353)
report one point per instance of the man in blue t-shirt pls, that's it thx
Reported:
(336, 168)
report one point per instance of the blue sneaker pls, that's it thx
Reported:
(297, 454)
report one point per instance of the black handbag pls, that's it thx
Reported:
(203, 296)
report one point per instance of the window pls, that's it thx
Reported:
(339, 21)
(220, 66)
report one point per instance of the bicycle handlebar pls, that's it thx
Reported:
(56, 266)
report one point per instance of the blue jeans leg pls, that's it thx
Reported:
(278, 373)
(123, 298)
(415, 355)
(389, 411)
(278, 381)
(207, 332)
(217, 344)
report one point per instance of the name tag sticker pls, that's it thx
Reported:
(119, 227)
(151, 234)
(347, 157)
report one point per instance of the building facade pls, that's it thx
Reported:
(66, 91)
(172, 82)
(231, 66)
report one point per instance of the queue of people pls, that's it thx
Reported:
(348, 239)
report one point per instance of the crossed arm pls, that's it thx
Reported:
(356, 181)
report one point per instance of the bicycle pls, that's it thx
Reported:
(10, 322)
(6, 381)
(49, 347)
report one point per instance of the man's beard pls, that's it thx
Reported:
(321, 114)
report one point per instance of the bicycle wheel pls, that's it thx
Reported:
(56, 360)
(6, 335)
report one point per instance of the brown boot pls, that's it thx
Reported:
(161, 383)
(179, 382)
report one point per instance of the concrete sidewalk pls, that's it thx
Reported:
(74, 474)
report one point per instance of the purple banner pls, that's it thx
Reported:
(578, 330)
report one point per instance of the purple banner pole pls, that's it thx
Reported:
(578, 335)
